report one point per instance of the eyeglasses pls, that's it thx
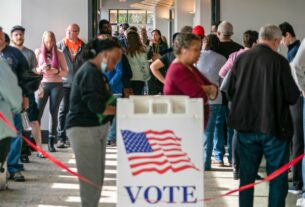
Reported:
(75, 31)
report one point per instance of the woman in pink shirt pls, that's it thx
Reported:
(53, 67)
(249, 37)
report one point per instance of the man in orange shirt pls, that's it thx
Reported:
(71, 46)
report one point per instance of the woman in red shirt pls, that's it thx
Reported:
(183, 78)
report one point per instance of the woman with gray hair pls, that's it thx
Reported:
(183, 78)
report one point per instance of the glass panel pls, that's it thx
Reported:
(113, 15)
(150, 17)
(122, 16)
(136, 17)
(150, 20)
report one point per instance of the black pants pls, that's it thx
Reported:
(54, 91)
(63, 111)
(4, 148)
(297, 140)
(137, 87)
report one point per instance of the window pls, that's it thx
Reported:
(134, 17)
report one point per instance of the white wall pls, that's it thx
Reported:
(249, 14)
(202, 14)
(41, 15)
(161, 21)
(183, 15)
(10, 14)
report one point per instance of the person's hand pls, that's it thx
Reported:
(45, 68)
(54, 71)
(25, 103)
(155, 56)
(127, 92)
(211, 91)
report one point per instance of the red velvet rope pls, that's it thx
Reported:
(63, 166)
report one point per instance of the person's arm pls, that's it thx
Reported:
(155, 69)
(39, 68)
(62, 71)
(9, 89)
(226, 67)
(184, 81)
(298, 66)
(290, 89)
(117, 78)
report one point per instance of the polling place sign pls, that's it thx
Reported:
(160, 151)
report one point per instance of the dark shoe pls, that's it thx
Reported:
(113, 143)
(24, 159)
(258, 177)
(61, 144)
(17, 176)
(51, 141)
(295, 189)
(235, 174)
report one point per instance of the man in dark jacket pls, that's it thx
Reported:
(261, 88)
(71, 46)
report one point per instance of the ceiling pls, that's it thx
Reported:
(150, 4)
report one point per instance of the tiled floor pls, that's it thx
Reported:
(48, 186)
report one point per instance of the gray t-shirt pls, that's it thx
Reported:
(209, 65)
(30, 57)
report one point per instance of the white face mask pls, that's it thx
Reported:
(103, 66)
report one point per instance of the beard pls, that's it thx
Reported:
(18, 43)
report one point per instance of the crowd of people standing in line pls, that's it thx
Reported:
(252, 96)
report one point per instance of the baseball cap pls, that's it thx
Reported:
(17, 27)
(198, 30)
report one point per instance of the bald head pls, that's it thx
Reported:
(72, 32)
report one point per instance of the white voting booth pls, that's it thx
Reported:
(160, 151)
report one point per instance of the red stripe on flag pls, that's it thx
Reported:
(164, 170)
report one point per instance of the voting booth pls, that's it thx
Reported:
(160, 151)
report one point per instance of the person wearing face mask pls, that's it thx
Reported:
(52, 65)
(89, 101)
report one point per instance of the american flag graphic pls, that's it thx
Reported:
(155, 151)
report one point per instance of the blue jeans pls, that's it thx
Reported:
(13, 164)
(252, 146)
(213, 132)
(112, 131)
(111, 136)
(219, 140)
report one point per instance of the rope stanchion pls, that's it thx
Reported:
(270, 177)
(48, 156)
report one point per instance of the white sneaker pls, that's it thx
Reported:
(301, 202)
